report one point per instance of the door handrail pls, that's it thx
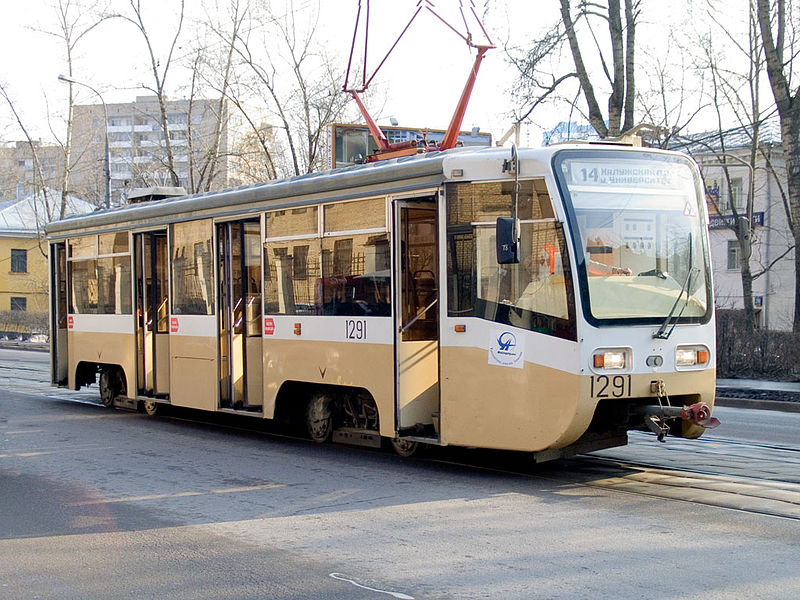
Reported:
(422, 311)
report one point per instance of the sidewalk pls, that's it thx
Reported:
(754, 393)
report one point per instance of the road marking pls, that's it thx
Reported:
(341, 577)
(237, 490)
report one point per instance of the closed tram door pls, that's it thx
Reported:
(240, 349)
(152, 310)
(417, 319)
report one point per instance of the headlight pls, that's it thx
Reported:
(609, 359)
(689, 356)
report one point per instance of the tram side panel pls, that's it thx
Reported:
(96, 340)
(193, 362)
(515, 394)
(330, 351)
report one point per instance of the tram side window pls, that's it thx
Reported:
(355, 260)
(355, 276)
(114, 285)
(100, 280)
(342, 270)
(192, 268)
(290, 270)
(535, 294)
(83, 286)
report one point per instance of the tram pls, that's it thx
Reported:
(543, 300)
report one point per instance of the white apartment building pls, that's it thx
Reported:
(772, 258)
(138, 146)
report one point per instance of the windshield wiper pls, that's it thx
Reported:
(662, 333)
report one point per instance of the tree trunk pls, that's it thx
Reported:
(789, 113)
(595, 114)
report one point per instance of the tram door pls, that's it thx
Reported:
(417, 315)
(152, 309)
(58, 313)
(240, 349)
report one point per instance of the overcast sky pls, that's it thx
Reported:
(419, 85)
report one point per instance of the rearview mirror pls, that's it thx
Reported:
(506, 238)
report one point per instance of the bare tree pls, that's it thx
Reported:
(298, 80)
(779, 39)
(40, 188)
(616, 53)
(74, 21)
(214, 68)
(733, 93)
(160, 67)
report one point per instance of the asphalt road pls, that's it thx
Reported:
(98, 503)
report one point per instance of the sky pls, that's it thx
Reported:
(419, 84)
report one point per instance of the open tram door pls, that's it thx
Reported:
(240, 347)
(58, 314)
(416, 319)
(152, 313)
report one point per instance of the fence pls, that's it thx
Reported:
(761, 354)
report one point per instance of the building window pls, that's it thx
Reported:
(734, 256)
(19, 303)
(737, 193)
(19, 261)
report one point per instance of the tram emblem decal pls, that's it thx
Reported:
(505, 349)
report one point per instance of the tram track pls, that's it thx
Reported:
(742, 493)
(755, 494)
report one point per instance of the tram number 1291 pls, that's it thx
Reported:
(611, 386)
(355, 329)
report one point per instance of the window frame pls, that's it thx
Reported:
(19, 255)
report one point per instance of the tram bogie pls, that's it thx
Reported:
(369, 303)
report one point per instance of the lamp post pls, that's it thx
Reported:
(106, 162)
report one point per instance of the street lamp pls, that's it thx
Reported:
(66, 79)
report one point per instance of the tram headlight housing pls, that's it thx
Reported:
(691, 356)
(610, 359)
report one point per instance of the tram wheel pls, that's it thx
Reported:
(405, 448)
(112, 384)
(319, 417)
(151, 407)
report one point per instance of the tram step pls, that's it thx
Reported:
(357, 437)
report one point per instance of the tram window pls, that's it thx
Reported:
(484, 202)
(355, 216)
(535, 294)
(113, 243)
(252, 265)
(113, 285)
(83, 286)
(192, 268)
(290, 273)
(299, 221)
(83, 247)
(355, 276)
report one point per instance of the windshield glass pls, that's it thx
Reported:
(638, 233)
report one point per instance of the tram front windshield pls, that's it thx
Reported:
(637, 228)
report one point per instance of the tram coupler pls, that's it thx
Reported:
(656, 416)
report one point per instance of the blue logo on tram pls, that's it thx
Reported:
(506, 341)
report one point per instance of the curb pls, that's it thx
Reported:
(759, 404)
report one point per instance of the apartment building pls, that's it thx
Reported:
(19, 176)
(138, 146)
(772, 260)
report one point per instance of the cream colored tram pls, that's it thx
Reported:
(379, 301)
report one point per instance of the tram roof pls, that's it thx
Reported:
(396, 175)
